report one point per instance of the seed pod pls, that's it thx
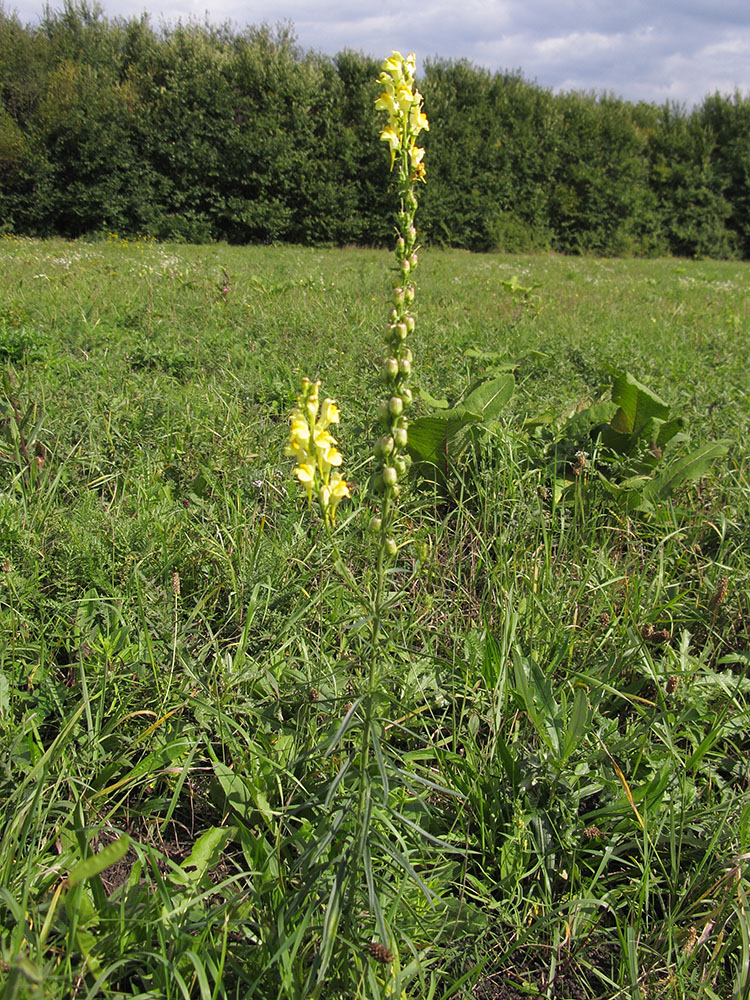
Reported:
(380, 953)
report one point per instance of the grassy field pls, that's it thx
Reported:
(556, 802)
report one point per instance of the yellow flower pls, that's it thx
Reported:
(389, 135)
(329, 414)
(404, 99)
(336, 491)
(394, 63)
(417, 118)
(386, 103)
(416, 154)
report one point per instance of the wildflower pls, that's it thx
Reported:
(402, 103)
(313, 447)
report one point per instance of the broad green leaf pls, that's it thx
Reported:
(427, 440)
(581, 424)
(637, 404)
(242, 794)
(489, 398)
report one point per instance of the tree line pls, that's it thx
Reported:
(199, 132)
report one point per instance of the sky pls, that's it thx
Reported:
(657, 51)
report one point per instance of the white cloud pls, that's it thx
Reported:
(641, 50)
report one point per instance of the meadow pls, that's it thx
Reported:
(557, 798)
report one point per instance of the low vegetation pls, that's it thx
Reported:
(558, 791)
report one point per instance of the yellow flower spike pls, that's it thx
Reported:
(314, 448)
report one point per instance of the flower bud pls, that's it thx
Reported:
(390, 476)
(400, 246)
(393, 316)
(400, 436)
(412, 233)
(401, 331)
(406, 396)
(409, 294)
(396, 406)
(390, 547)
(410, 324)
(383, 414)
(405, 265)
(391, 368)
(401, 465)
(384, 445)
(404, 366)
(413, 260)
(376, 525)
(398, 295)
(406, 355)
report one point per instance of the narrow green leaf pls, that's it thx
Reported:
(206, 851)
(97, 863)
(689, 468)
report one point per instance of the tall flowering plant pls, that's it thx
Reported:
(356, 807)
(402, 103)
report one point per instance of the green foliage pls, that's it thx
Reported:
(439, 442)
(626, 439)
(196, 132)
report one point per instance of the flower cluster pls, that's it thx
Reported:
(406, 119)
(314, 447)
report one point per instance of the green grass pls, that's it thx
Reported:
(559, 791)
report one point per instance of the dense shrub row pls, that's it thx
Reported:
(197, 132)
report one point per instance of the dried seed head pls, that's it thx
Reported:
(673, 683)
(313, 694)
(591, 832)
(690, 940)
(721, 592)
(176, 584)
(380, 952)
